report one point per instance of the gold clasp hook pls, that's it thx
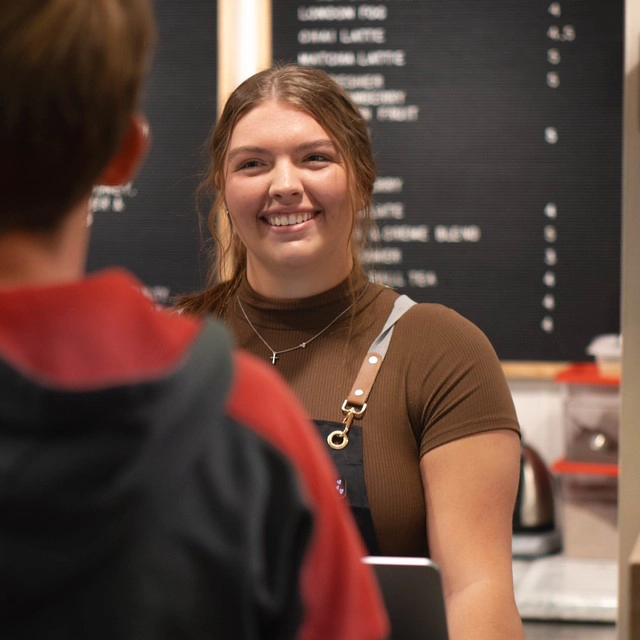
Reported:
(339, 439)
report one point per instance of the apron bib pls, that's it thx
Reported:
(350, 484)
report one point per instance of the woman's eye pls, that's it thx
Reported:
(317, 157)
(248, 164)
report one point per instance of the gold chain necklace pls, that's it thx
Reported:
(302, 345)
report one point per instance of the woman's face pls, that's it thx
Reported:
(287, 194)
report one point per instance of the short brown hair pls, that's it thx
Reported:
(316, 93)
(71, 73)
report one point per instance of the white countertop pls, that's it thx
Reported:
(559, 588)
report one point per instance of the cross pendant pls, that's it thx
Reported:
(274, 357)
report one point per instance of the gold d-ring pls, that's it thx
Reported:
(338, 439)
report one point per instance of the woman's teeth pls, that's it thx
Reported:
(289, 219)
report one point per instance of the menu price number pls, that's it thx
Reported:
(550, 234)
(558, 34)
(566, 33)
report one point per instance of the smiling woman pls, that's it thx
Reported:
(420, 424)
(289, 142)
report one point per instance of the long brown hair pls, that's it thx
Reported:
(316, 93)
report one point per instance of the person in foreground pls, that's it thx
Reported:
(153, 483)
(422, 428)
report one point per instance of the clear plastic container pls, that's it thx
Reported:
(607, 351)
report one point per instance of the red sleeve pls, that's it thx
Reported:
(340, 595)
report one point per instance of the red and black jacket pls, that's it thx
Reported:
(156, 484)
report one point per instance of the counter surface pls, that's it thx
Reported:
(568, 631)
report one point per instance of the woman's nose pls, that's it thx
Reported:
(285, 181)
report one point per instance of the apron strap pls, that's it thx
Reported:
(377, 351)
(356, 402)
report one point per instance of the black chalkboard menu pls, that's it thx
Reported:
(150, 226)
(497, 128)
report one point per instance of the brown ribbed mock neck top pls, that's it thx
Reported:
(441, 380)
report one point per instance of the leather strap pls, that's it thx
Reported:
(377, 351)
(356, 403)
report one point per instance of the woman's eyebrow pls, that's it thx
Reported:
(244, 149)
(314, 144)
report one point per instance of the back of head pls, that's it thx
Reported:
(71, 72)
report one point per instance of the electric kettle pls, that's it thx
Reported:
(535, 505)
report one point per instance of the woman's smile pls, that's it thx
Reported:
(288, 219)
